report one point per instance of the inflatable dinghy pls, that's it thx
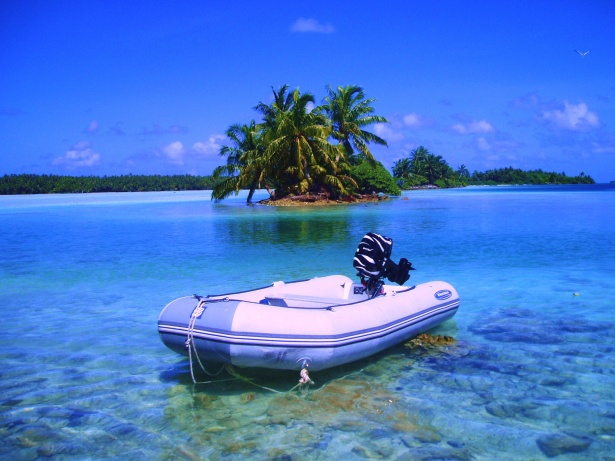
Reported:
(321, 323)
(317, 323)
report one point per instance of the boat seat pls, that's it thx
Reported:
(337, 286)
(281, 299)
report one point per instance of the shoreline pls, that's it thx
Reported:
(319, 200)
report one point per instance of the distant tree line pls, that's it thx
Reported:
(511, 175)
(422, 168)
(56, 184)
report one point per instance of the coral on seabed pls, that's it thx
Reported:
(430, 341)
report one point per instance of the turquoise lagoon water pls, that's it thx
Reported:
(531, 375)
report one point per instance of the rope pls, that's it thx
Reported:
(233, 372)
(305, 377)
(198, 311)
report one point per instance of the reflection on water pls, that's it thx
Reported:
(286, 230)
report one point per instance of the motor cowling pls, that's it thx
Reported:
(372, 260)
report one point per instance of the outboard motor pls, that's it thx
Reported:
(372, 261)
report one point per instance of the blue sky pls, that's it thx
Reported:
(104, 88)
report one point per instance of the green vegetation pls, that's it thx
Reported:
(348, 113)
(516, 176)
(373, 179)
(52, 184)
(422, 168)
(300, 149)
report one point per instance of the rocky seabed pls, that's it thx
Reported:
(519, 385)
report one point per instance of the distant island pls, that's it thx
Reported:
(301, 152)
(57, 184)
(16, 184)
(423, 169)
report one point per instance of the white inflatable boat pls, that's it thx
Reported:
(321, 322)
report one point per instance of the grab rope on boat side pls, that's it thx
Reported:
(198, 311)
(192, 350)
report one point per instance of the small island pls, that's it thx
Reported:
(303, 150)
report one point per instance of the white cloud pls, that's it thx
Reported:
(473, 127)
(81, 155)
(311, 25)
(414, 120)
(385, 132)
(599, 148)
(210, 147)
(92, 127)
(496, 145)
(571, 118)
(174, 153)
(483, 144)
(178, 154)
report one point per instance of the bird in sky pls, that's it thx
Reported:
(582, 53)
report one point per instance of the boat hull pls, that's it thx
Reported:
(285, 326)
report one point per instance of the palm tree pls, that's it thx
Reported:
(402, 168)
(298, 154)
(349, 113)
(282, 102)
(435, 167)
(241, 170)
(418, 157)
(463, 172)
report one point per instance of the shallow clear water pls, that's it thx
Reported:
(85, 376)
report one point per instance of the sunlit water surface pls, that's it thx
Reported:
(531, 375)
